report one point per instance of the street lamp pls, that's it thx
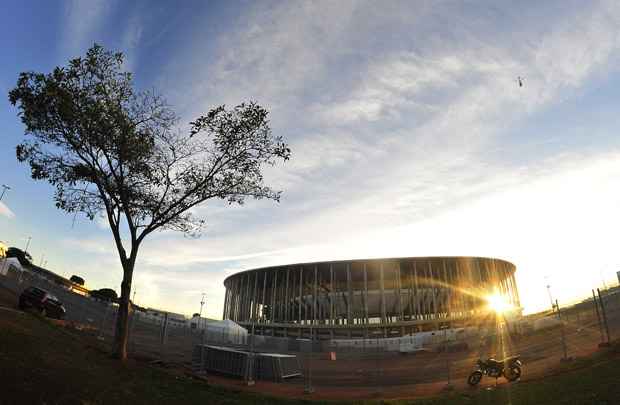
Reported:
(4, 188)
(250, 376)
(549, 292)
(204, 323)
(445, 348)
(204, 330)
(27, 244)
(202, 302)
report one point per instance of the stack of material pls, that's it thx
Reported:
(224, 360)
(10, 263)
(276, 367)
(221, 360)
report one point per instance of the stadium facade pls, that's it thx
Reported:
(367, 298)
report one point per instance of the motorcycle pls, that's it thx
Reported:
(509, 367)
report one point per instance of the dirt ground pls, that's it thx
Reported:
(7, 298)
(368, 375)
(400, 376)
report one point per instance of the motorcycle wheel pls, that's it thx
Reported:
(474, 378)
(513, 373)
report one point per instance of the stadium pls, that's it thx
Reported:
(369, 298)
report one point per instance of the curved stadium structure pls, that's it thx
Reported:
(367, 298)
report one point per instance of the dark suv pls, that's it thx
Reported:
(42, 301)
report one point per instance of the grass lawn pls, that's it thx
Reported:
(41, 363)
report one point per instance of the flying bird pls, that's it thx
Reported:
(520, 81)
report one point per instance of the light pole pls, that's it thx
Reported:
(204, 323)
(549, 292)
(600, 272)
(4, 188)
(202, 303)
(27, 244)
(250, 377)
(308, 389)
(203, 367)
(445, 349)
(562, 331)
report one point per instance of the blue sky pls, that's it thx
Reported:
(410, 135)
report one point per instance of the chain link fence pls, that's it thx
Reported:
(542, 340)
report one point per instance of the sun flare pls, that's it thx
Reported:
(498, 303)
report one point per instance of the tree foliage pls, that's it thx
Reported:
(77, 280)
(24, 258)
(107, 148)
(105, 294)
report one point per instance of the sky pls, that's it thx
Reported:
(410, 136)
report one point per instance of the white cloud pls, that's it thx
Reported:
(411, 105)
(91, 246)
(555, 218)
(131, 40)
(6, 211)
(397, 116)
(398, 137)
(82, 20)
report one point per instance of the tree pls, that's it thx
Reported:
(77, 280)
(105, 294)
(107, 148)
(24, 258)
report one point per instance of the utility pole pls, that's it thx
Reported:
(549, 292)
(202, 303)
(204, 322)
(445, 352)
(250, 373)
(604, 314)
(603, 279)
(27, 244)
(565, 358)
(598, 317)
(203, 367)
(4, 188)
(308, 389)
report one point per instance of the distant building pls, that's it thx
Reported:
(158, 316)
(201, 322)
(162, 314)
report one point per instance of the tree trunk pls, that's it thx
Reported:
(121, 336)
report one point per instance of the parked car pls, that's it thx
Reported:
(42, 301)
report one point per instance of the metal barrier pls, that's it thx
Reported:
(364, 363)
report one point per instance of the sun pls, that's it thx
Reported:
(498, 303)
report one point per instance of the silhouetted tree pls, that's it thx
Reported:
(108, 148)
(77, 280)
(105, 294)
(24, 258)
